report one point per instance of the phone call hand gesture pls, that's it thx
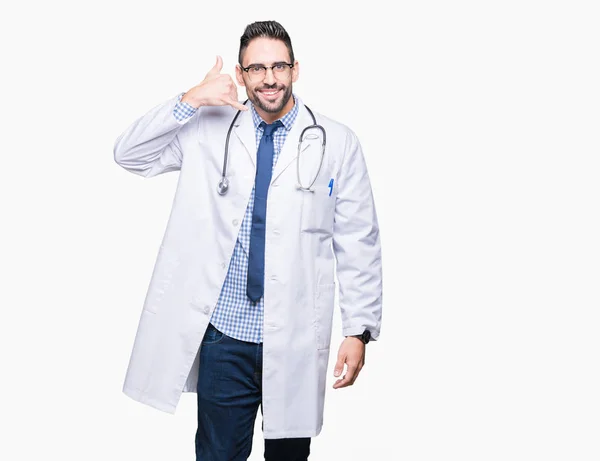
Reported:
(216, 89)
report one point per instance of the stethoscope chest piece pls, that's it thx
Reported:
(223, 186)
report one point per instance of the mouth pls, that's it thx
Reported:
(270, 93)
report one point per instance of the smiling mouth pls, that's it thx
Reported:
(269, 93)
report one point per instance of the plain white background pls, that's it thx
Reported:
(479, 122)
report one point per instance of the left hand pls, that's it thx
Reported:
(352, 352)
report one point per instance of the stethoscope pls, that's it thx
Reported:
(223, 186)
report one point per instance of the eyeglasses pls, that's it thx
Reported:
(258, 71)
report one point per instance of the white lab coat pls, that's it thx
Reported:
(304, 232)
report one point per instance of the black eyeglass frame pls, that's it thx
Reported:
(247, 69)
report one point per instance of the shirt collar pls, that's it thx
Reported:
(287, 119)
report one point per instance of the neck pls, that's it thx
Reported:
(270, 117)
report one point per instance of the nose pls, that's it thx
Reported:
(269, 76)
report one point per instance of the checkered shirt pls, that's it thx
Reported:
(236, 315)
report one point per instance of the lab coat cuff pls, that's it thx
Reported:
(351, 331)
(183, 111)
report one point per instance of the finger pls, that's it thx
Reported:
(348, 378)
(343, 382)
(356, 374)
(340, 382)
(235, 104)
(233, 94)
(216, 70)
(351, 372)
(339, 366)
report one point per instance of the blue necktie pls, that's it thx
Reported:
(264, 170)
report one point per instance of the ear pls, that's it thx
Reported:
(295, 71)
(238, 75)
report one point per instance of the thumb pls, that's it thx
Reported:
(216, 70)
(339, 366)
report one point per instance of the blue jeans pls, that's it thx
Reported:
(229, 394)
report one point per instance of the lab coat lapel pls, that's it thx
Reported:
(244, 130)
(289, 150)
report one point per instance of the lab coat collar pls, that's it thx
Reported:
(244, 130)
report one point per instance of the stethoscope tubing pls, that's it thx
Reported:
(223, 185)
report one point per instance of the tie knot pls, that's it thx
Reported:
(269, 129)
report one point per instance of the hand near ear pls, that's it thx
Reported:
(216, 89)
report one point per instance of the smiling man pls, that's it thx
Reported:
(241, 299)
(270, 92)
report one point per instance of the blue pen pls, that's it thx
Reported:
(330, 186)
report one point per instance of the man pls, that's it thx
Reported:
(240, 304)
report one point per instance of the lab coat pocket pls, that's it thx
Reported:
(318, 208)
(324, 301)
(161, 281)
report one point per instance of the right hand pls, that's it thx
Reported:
(215, 90)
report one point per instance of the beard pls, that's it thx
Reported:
(271, 107)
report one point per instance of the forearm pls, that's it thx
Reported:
(150, 145)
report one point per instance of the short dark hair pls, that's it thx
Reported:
(269, 29)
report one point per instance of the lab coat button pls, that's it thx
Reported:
(206, 309)
(235, 222)
(276, 231)
(274, 278)
(223, 265)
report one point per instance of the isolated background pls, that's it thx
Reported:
(479, 122)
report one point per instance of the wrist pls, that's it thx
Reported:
(194, 102)
(355, 338)
(364, 337)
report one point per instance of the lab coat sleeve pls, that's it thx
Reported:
(183, 111)
(151, 145)
(356, 245)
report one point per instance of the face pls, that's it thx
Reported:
(272, 93)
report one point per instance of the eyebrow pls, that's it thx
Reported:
(261, 64)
